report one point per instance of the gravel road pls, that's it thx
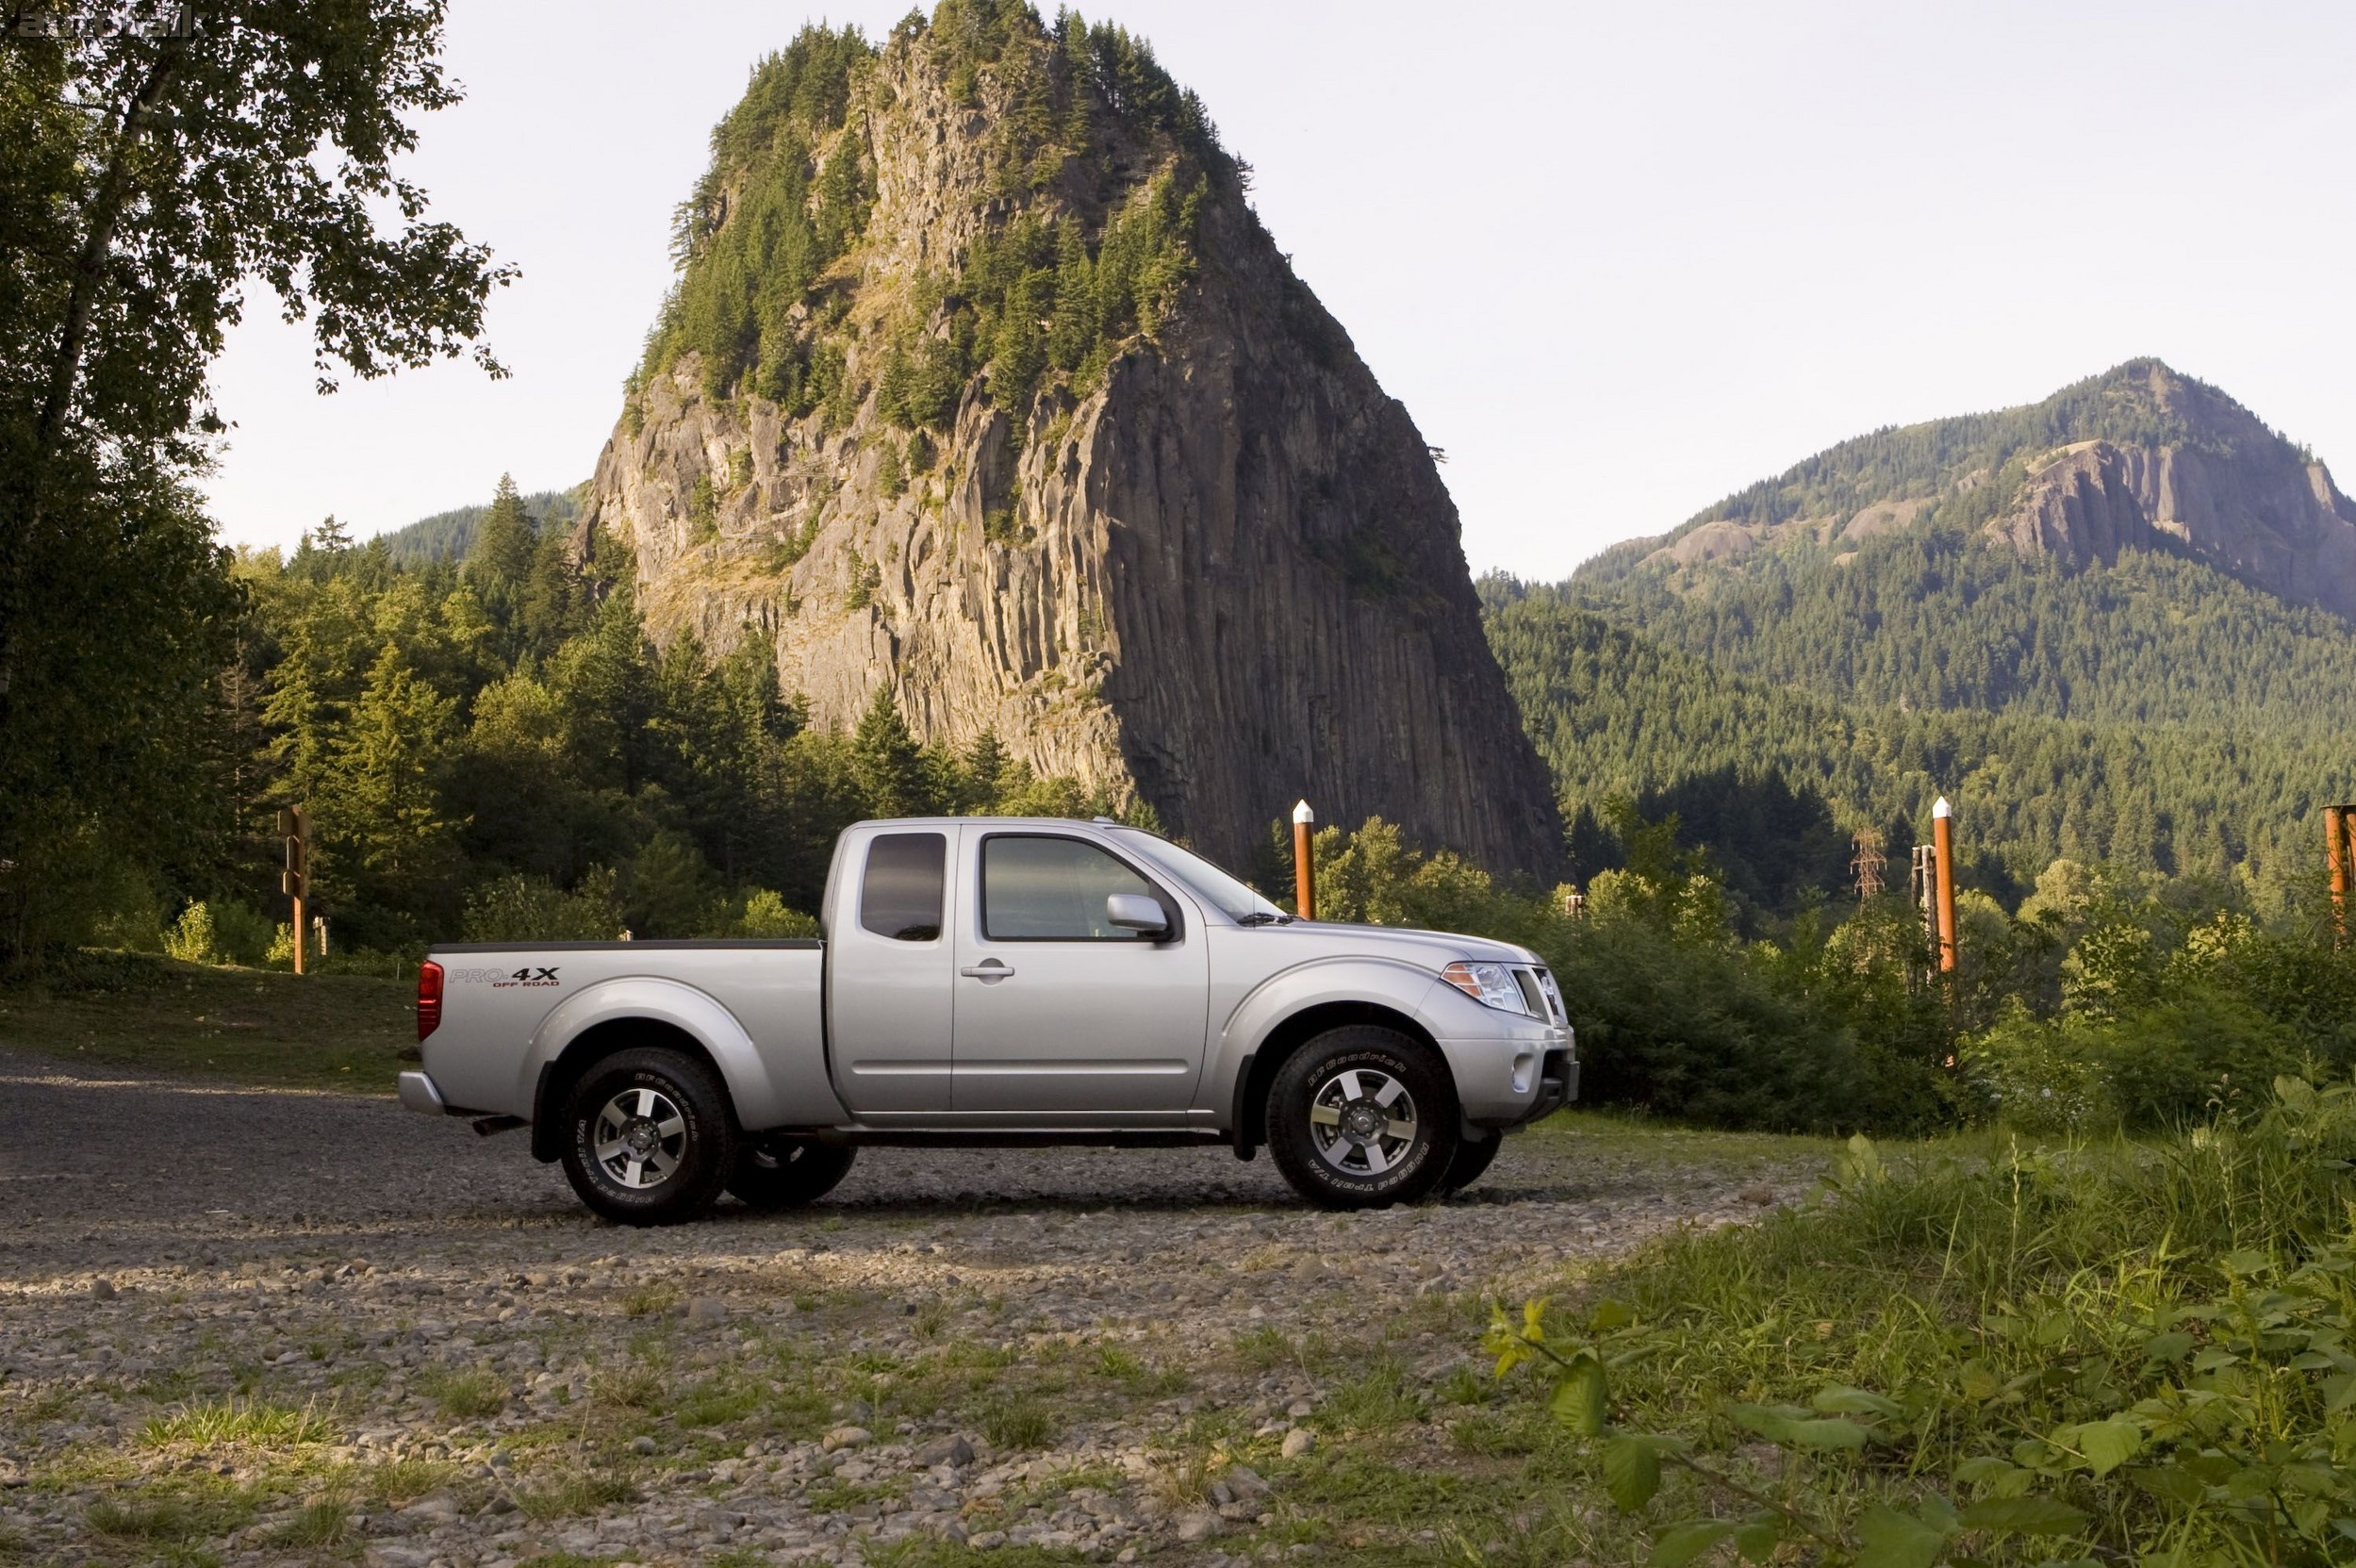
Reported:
(279, 1327)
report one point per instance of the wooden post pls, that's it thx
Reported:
(1304, 863)
(1943, 856)
(2335, 849)
(295, 826)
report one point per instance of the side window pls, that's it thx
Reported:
(1042, 889)
(901, 895)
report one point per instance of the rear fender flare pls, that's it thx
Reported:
(695, 1014)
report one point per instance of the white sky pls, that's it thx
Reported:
(1618, 260)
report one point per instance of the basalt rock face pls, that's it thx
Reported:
(2257, 510)
(2139, 457)
(1129, 500)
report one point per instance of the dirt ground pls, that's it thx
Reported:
(277, 1326)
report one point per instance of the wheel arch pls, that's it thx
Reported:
(1258, 1070)
(594, 1044)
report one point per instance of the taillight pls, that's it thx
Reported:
(429, 998)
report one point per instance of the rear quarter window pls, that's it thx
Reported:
(900, 893)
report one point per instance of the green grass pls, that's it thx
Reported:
(321, 1524)
(144, 1519)
(1019, 1423)
(344, 1032)
(574, 1493)
(2143, 1340)
(719, 1402)
(220, 1423)
(465, 1395)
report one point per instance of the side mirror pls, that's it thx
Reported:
(1136, 912)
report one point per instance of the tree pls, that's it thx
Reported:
(890, 767)
(148, 180)
(499, 563)
(382, 831)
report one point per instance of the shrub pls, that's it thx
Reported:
(221, 931)
(518, 908)
(193, 939)
(763, 914)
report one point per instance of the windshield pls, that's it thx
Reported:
(1202, 878)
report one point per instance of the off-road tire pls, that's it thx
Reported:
(649, 1139)
(1472, 1163)
(774, 1171)
(1342, 1150)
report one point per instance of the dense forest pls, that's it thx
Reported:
(2143, 708)
(1618, 711)
(493, 746)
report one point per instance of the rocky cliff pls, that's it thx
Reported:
(2255, 509)
(2140, 457)
(983, 382)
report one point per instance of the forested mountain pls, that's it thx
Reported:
(1878, 626)
(447, 535)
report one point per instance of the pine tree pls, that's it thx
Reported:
(499, 563)
(887, 761)
(985, 769)
(383, 829)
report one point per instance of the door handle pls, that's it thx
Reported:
(987, 969)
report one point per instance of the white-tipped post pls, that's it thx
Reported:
(1943, 863)
(1304, 863)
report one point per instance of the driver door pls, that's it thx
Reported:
(1060, 1014)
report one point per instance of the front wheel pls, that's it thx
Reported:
(648, 1137)
(1363, 1118)
(1471, 1162)
(774, 1171)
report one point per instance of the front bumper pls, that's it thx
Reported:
(418, 1093)
(1505, 1080)
(1558, 1083)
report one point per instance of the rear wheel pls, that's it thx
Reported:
(774, 1171)
(1363, 1118)
(1471, 1162)
(648, 1138)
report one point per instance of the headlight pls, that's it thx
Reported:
(1490, 984)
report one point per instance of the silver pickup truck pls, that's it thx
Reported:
(994, 982)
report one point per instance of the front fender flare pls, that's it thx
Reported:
(1361, 981)
(695, 1014)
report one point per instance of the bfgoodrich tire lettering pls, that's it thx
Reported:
(648, 1137)
(1361, 1117)
(774, 1171)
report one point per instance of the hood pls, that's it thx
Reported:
(1435, 949)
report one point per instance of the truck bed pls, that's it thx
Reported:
(757, 1004)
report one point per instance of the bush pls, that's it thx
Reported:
(193, 939)
(763, 914)
(1674, 1015)
(219, 930)
(525, 909)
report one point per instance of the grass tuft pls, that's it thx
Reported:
(321, 1524)
(467, 1395)
(250, 1423)
(1019, 1423)
(575, 1492)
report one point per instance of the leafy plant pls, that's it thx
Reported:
(2183, 1395)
